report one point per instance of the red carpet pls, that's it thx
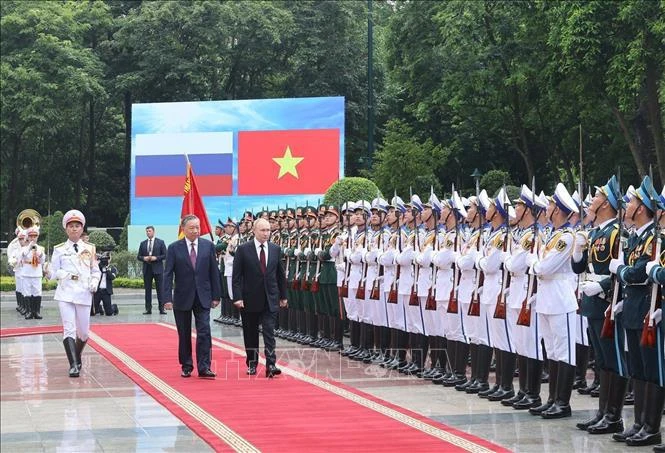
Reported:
(31, 330)
(292, 412)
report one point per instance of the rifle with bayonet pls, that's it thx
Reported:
(648, 338)
(500, 310)
(524, 316)
(607, 330)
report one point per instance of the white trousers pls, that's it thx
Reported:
(477, 327)
(395, 313)
(558, 333)
(528, 338)
(581, 325)
(75, 320)
(32, 286)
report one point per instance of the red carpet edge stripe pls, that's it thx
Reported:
(32, 330)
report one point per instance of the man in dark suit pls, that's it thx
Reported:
(259, 290)
(193, 263)
(152, 252)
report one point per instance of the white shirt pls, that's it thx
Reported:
(257, 245)
(189, 246)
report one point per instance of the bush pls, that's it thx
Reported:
(9, 284)
(127, 264)
(493, 180)
(350, 189)
(4, 266)
(124, 282)
(102, 240)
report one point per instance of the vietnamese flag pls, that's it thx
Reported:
(192, 203)
(302, 161)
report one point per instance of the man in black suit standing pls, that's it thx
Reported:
(259, 290)
(152, 252)
(193, 263)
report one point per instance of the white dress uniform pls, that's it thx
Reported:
(375, 310)
(432, 319)
(74, 266)
(227, 259)
(475, 327)
(394, 311)
(443, 261)
(32, 262)
(355, 256)
(406, 259)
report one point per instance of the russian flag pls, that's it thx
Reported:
(161, 165)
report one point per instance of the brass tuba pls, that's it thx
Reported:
(28, 218)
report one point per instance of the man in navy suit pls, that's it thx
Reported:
(259, 290)
(193, 263)
(152, 252)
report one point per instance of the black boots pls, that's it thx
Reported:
(70, 349)
(80, 344)
(534, 370)
(33, 305)
(553, 368)
(611, 421)
(639, 389)
(505, 377)
(603, 376)
(649, 434)
(564, 388)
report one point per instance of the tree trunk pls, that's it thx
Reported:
(634, 150)
(655, 118)
(80, 167)
(13, 182)
(128, 139)
(91, 155)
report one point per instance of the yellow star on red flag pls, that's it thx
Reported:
(287, 163)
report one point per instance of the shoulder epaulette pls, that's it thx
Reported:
(59, 245)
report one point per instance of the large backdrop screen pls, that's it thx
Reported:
(245, 155)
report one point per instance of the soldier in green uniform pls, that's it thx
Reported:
(591, 258)
(328, 279)
(308, 267)
(643, 362)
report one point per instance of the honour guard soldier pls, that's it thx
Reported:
(226, 247)
(15, 262)
(528, 209)
(375, 298)
(447, 282)
(304, 277)
(556, 304)
(361, 332)
(32, 262)
(328, 280)
(340, 251)
(74, 266)
(475, 328)
(591, 259)
(643, 361)
(500, 329)
(394, 309)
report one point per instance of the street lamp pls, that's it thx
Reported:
(476, 177)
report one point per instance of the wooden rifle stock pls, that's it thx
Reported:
(607, 330)
(453, 306)
(430, 303)
(648, 338)
(392, 294)
(474, 306)
(500, 309)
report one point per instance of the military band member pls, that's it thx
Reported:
(15, 263)
(74, 266)
(643, 362)
(33, 259)
(556, 304)
(591, 258)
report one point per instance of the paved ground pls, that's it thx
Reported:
(44, 410)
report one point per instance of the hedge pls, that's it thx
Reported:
(8, 283)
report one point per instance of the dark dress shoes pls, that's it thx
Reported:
(251, 371)
(207, 374)
(162, 312)
(186, 373)
(147, 312)
(272, 370)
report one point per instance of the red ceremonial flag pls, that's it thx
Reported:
(192, 203)
(287, 162)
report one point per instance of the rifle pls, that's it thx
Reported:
(500, 310)
(453, 306)
(392, 294)
(581, 277)
(295, 285)
(375, 293)
(474, 306)
(344, 289)
(524, 317)
(430, 302)
(314, 286)
(360, 292)
(648, 338)
(304, 285)
(413, 298)
(608, 323)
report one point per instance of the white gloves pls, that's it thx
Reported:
(614, 265)
(317, 251)
(531, 259)
(506, 293)
(618, 308)
(297, 252)
(92, 286)
(339, 240)
(480, 291)
(580, 243)
(591, 288)
(656, 316)
(651, 265)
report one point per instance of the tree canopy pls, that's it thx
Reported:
(457, 85)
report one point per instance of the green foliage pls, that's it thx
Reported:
(403, 164)
(51, 232)
(102, 240)
(493, 180)
(127, 264)
(124, 282)
(4, 266)
(350, 189)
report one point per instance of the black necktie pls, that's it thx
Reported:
(262, 259)
(76, 248)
